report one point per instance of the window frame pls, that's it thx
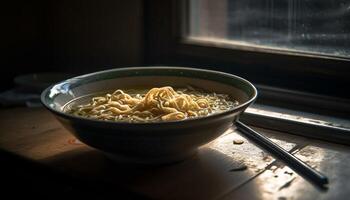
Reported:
(316, 76)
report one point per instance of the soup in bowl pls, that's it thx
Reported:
(149, 115)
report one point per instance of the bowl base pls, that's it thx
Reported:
(169, 159)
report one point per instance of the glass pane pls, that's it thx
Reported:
(313, 26)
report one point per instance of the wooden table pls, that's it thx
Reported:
(220, 170)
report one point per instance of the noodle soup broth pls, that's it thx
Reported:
(150, 104)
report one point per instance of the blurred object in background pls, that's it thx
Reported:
(29, 87)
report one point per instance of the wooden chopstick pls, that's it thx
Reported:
(289, 159)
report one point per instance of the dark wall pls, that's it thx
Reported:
(22, 41)
(92, 34)
(70, 36)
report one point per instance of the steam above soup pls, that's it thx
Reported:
(154, 105)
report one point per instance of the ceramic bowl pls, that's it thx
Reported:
(148, 143)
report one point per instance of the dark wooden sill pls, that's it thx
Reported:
(303, 101)
(328, 128)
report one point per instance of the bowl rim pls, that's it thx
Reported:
(138, 124)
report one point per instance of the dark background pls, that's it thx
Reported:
(69, 36)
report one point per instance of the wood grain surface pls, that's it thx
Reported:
(220, 169)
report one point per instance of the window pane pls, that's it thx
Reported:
(313, 26)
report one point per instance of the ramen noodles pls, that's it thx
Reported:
(154, 105)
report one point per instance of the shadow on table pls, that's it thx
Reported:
(209, 174)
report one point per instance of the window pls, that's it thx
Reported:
(297, 52)
(308, 26)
